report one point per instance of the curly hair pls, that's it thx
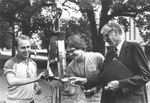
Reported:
(76, 42)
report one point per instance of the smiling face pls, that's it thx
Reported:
(24, 48)
(74, 53)
(75, 47)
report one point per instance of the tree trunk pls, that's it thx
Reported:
(13, 37)
(13, 46)
(91, 17)
(104, 18)
(26, 28)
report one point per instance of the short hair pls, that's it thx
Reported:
(109, 26)
(76, 42)
(20, 37)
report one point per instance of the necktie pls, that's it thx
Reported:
(115, 53)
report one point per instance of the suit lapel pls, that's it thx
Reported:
(123, 51)
(109, 57)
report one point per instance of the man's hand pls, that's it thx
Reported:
(113, 85)
(39, 77)
(77, 81)
(38, 90)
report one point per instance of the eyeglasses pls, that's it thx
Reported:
(107, 35)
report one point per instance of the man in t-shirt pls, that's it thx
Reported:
(21, 74)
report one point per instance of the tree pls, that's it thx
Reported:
(5, 36)
(128, 8)
(9, 10)
(143, 23)
(23, 12)
(27, 14)
(81, 27)
(109, 10)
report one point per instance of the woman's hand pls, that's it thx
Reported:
(77, 80)
(38, 90)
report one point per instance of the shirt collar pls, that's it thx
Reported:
(19, 59)
(120, 45)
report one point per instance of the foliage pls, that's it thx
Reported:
(5, 36)
(78, 27)
(111, 9)
(143, 23)
(29, 17)
(124, 22)
(11, 10)
(139, 10)
(26, 15)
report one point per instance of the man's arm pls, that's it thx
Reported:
(13, 81)
(140, 69)
(88, 82)
(78, 80)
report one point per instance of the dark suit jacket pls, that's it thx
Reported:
(132, 89)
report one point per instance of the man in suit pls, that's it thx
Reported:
(131, 89)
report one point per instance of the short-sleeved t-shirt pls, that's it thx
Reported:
(21, 70)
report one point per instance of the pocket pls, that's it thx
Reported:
(93, 70)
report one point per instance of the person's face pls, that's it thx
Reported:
(111, 37)
(24, 48)
(74, 53)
